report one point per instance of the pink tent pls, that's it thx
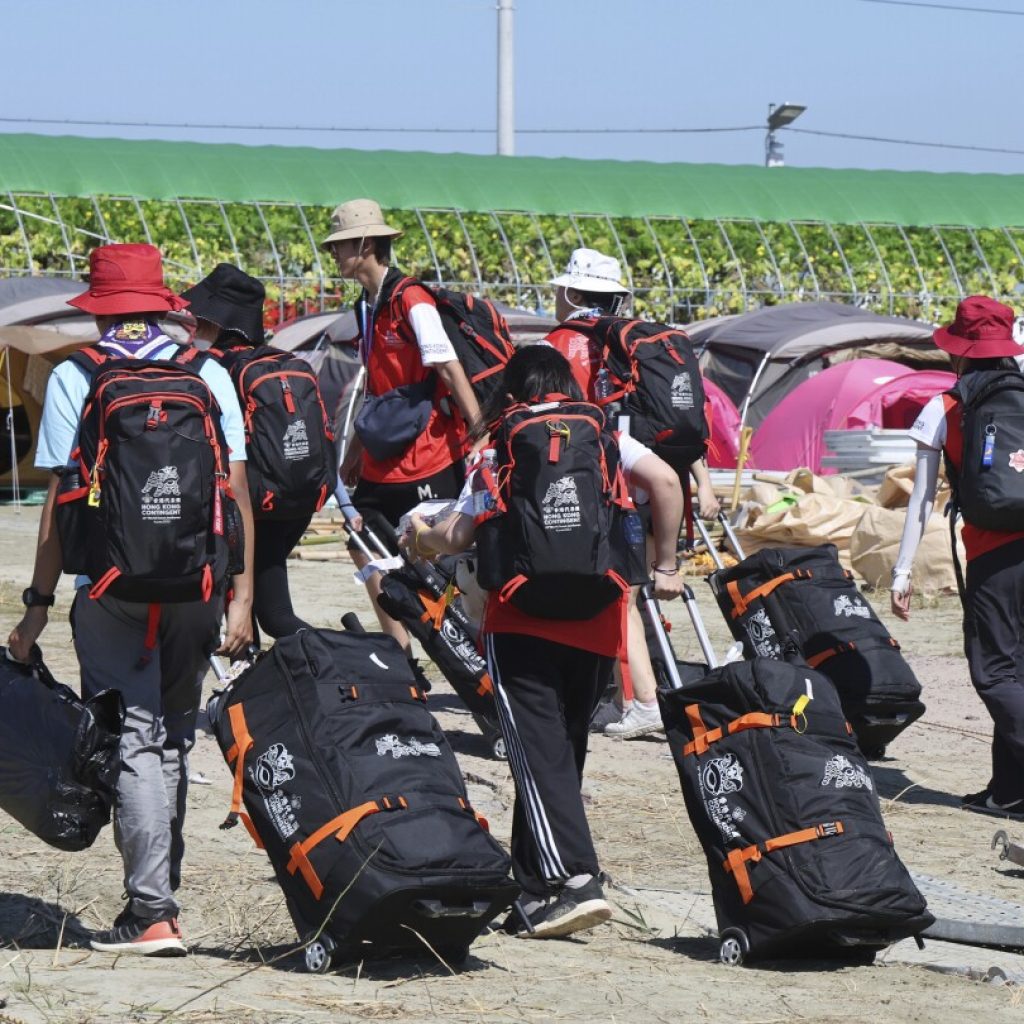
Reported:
(856, 395)
(725, 428)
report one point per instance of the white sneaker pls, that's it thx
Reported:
(637, 721)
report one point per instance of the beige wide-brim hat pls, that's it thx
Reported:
(359, 218)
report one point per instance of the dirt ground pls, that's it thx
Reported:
(653, 963)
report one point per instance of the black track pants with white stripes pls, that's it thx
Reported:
(546, 693)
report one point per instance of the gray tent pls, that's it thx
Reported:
(759, 357)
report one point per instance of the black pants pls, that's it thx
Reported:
(994, 645)
(546, 693)
(383, 505)
(274, 540)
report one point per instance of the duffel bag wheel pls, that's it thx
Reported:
(498, 748)
(734, 947)
(456, 956)
(320, 954)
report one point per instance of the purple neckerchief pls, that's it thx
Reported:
(134, 339)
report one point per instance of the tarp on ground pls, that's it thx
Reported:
(761, 356)
(851, 396)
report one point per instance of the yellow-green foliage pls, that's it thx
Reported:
(680, 270)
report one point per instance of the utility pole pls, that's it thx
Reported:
(506, 79)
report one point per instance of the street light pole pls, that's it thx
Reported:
(506, 80)
(778, 117)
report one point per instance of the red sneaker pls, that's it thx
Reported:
(141, 936)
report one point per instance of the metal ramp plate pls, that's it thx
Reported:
(963, 915)
(958, 910)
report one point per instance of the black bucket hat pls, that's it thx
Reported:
(231, 299)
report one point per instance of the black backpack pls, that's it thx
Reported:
(144, 507)
(288, 438)
(557, 543)
(988, 490)
(477, 331)
(654, 374)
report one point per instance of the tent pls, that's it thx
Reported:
(725, 428)
(759, 357)
(855, 395)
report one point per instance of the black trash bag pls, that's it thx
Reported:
(59, 755)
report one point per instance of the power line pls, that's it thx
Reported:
(904, 142)
(369, 129)
(944, 7)
(519, 131)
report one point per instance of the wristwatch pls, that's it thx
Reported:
(31, 598)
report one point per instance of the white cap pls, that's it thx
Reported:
(591, 271)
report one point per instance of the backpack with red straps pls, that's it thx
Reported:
(144, 507)
(476, 329)
(288, 438)
(654, 374)
(562, 539)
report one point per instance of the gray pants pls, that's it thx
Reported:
(161, 689)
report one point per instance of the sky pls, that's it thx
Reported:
(861, 67)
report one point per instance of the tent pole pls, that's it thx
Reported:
(750, 390)
(6, 356)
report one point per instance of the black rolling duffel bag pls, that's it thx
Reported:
(784, 806)
(350, 786)
(59, 755)
(804, 597)
(421, 595)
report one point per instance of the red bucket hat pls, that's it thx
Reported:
(127, 279)
(983, 329)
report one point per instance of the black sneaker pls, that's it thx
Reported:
(572, 910)
(983, 803)
(142, 936)
(606, 713)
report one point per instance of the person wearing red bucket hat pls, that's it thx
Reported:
(155, 659)
(126, 279)
(973, 427)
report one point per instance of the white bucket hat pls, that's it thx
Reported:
(358, 218)
(591, 271)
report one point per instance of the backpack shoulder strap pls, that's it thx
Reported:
(89, 359)
(191, 357)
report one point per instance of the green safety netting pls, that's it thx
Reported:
(695, 240)
(69, 166)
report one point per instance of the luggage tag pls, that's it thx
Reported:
(988, 451)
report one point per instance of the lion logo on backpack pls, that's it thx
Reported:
(295, 442)
(391, 744)
(561, 506)
(682, 391)
(274, 767)
(161, 496)
(845, 774)
(843, 605)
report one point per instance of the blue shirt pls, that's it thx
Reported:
(68, 388)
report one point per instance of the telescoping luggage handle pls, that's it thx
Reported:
(730, 535)
(668, 655)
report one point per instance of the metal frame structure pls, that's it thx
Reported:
(680, 269)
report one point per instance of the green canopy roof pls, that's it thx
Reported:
(69, 166)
